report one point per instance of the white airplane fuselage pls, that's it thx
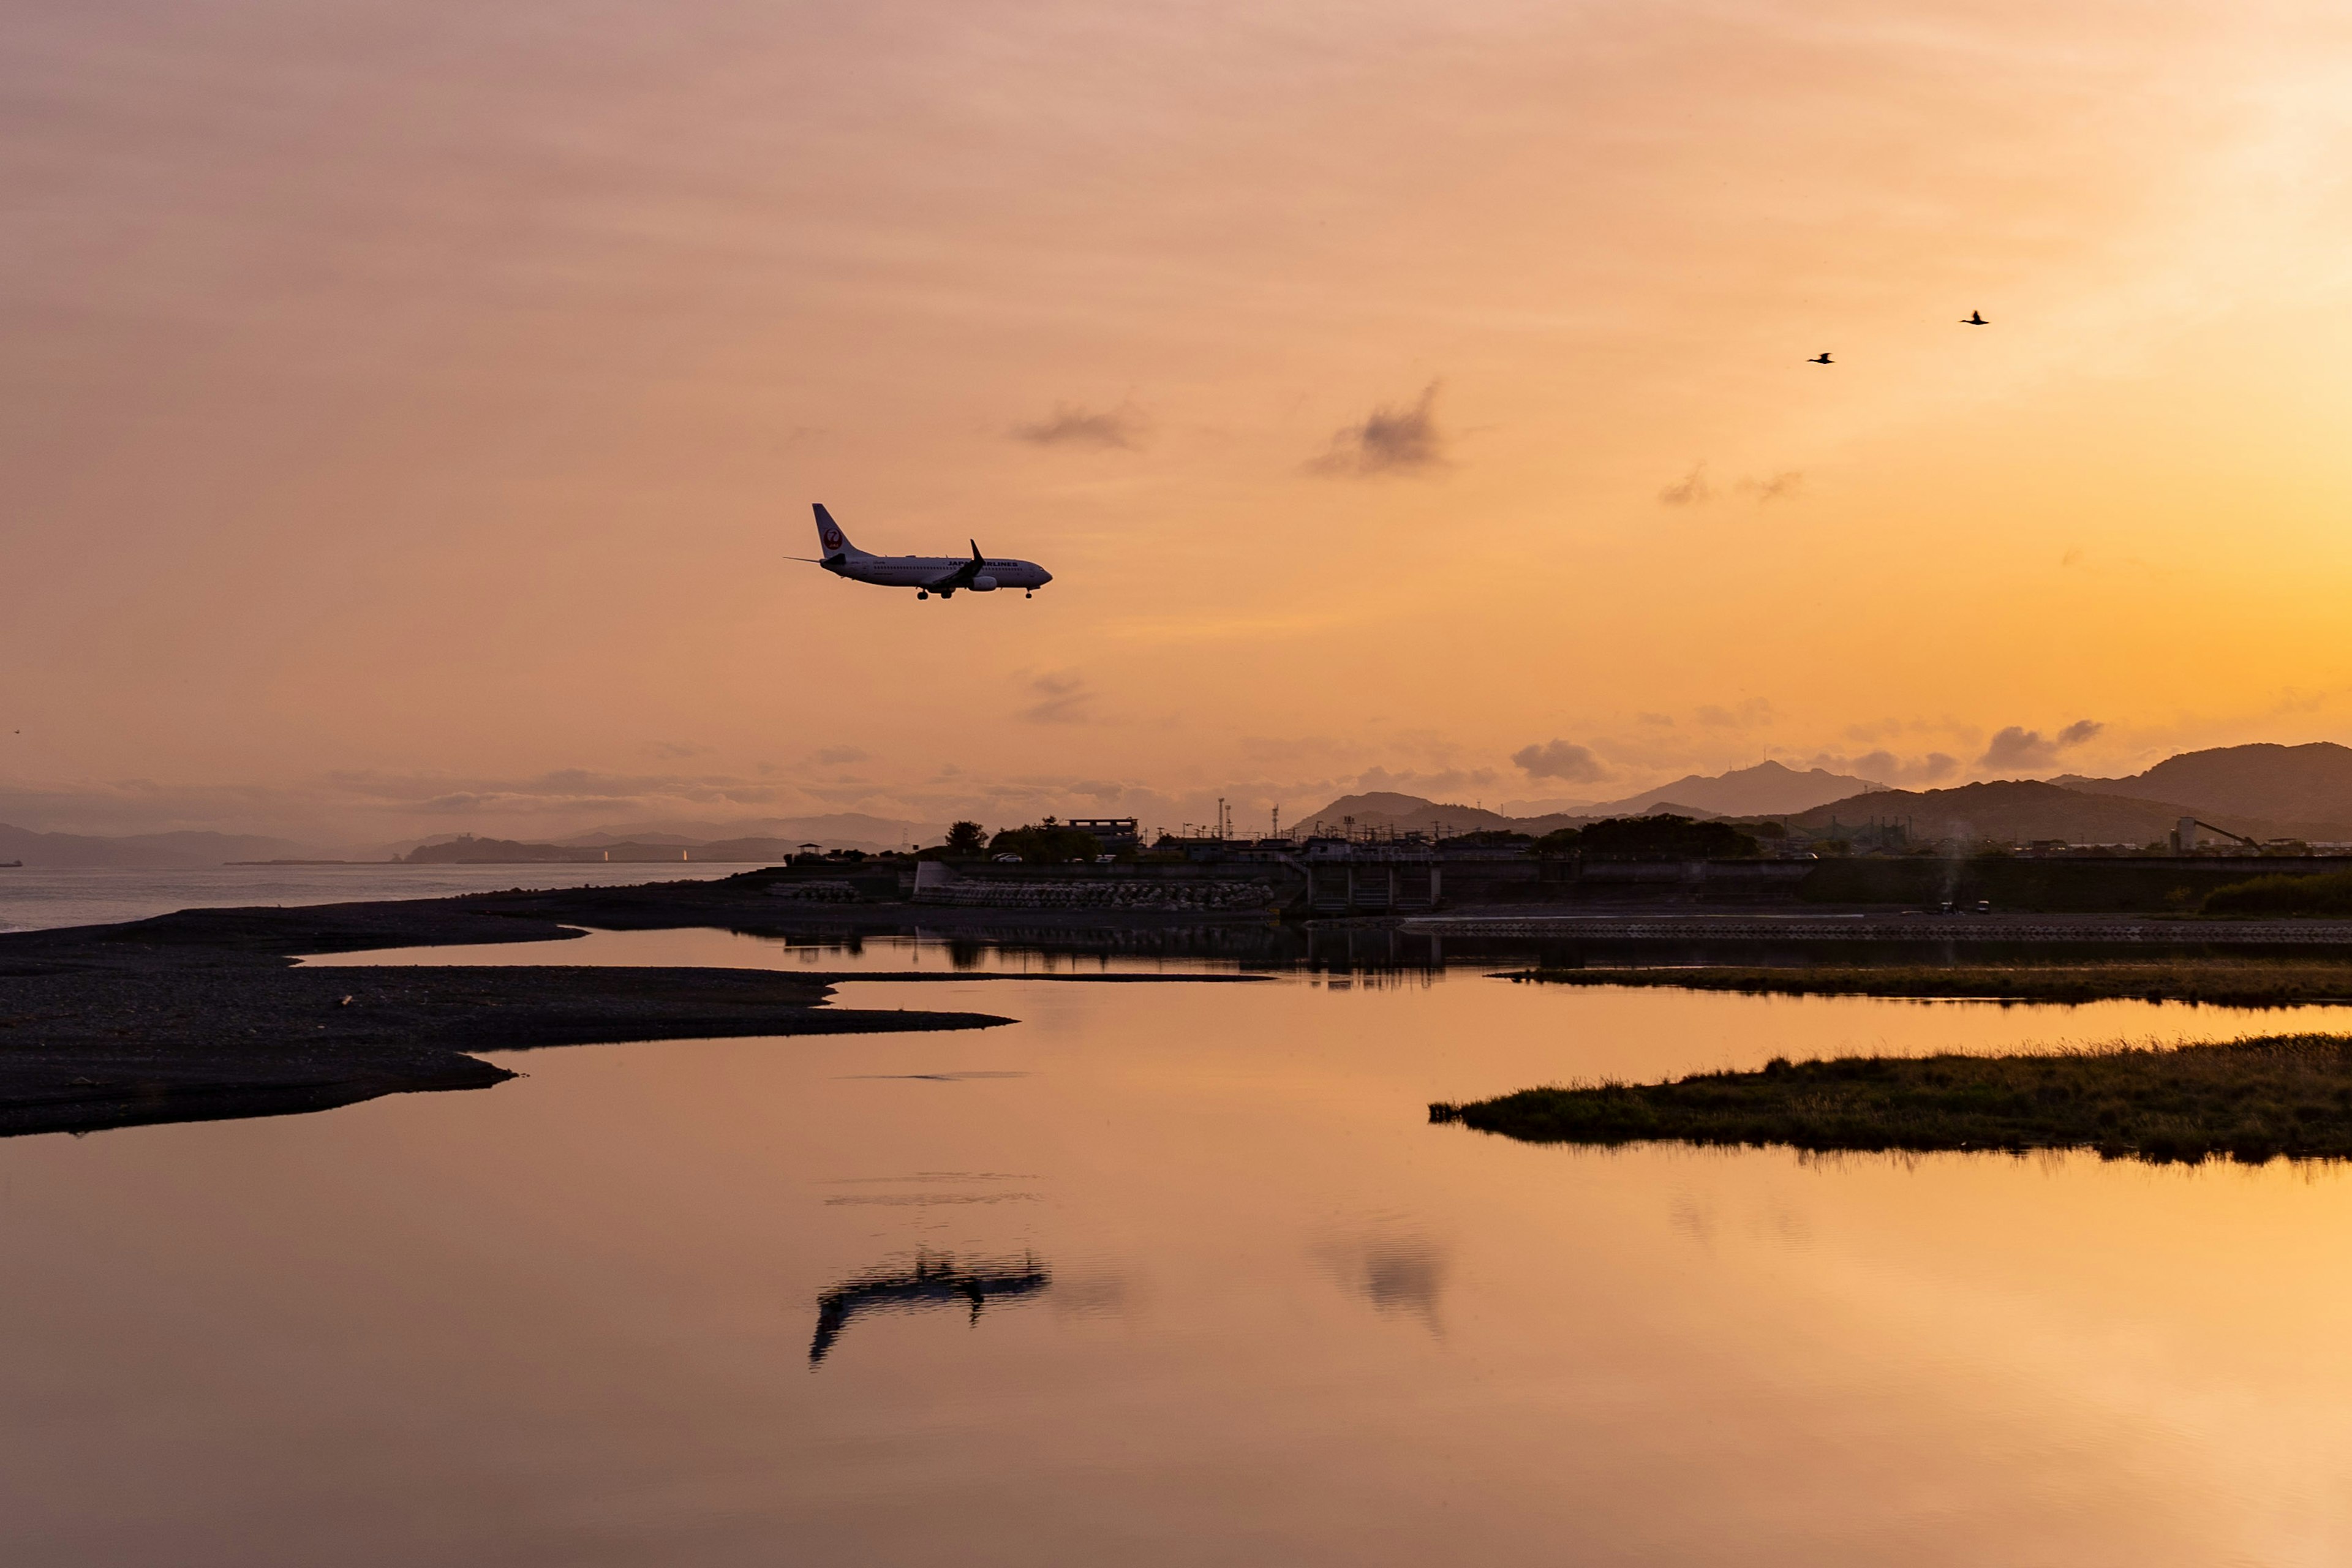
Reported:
(923, 571)
(927, 574)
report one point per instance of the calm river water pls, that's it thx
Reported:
(1163, 1274)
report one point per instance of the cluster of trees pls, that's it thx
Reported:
(1491, 839)
(1047, 843)
(1650, 839)
(2328, 893)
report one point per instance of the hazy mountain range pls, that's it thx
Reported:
(2017, 810)
(1392, 812)
(150, 850)
(743, 838)
(2263, 791)
(757, 839)
(2301, 786)
(1768, 787)
(835, 830)
(1765, 788)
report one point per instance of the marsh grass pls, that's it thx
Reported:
(2326, 894)
(2232, 983)
(2249, 1101)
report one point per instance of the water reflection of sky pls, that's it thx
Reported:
(573, 1318)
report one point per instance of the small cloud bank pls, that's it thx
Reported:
(1560, 759)
(1693, 488)
(1885, 767)
(2018, 748)
(1124, 428)
(1401, 441)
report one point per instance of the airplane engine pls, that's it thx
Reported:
(982, 585)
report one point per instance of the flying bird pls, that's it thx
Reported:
(1821, 358)
(1975, 319)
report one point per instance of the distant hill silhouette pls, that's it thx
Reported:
(159, 850)
(2307, 789)
(1768, 788)
(1388, 810)
(467, 850)
(2021, 810)
(835, 830)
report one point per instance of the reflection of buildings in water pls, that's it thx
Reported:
(936, 1279)
(1362, 953)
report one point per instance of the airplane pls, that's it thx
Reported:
(927, 574)
(1821, 358)
(1975, 319)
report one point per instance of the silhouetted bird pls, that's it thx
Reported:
(1821, 358)
(1975, 319)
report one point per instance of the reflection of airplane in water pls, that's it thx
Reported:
(935, 1280)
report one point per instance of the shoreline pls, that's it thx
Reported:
(207, 1013)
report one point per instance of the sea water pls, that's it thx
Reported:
(1163, 1274)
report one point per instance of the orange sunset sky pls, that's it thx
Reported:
(407, 409)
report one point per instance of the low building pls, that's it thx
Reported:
(1116, 835)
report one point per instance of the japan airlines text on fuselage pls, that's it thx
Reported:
(927, 574)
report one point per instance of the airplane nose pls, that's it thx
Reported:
(1043, 576)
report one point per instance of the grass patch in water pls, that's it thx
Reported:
(2232, 983)
(2249, 1101)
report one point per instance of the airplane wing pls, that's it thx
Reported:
(962, 576)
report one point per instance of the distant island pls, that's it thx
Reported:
(467, 850)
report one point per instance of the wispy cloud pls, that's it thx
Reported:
(1404, 440)
(1691, 490)
(1123, 428)
(1749, 715)
(1561, 760)
(1061, 698)
(1783, 486)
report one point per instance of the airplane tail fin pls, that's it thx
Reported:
(830, 538)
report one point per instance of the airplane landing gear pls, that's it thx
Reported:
(922, 593)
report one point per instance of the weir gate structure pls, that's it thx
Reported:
(1354, 878)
